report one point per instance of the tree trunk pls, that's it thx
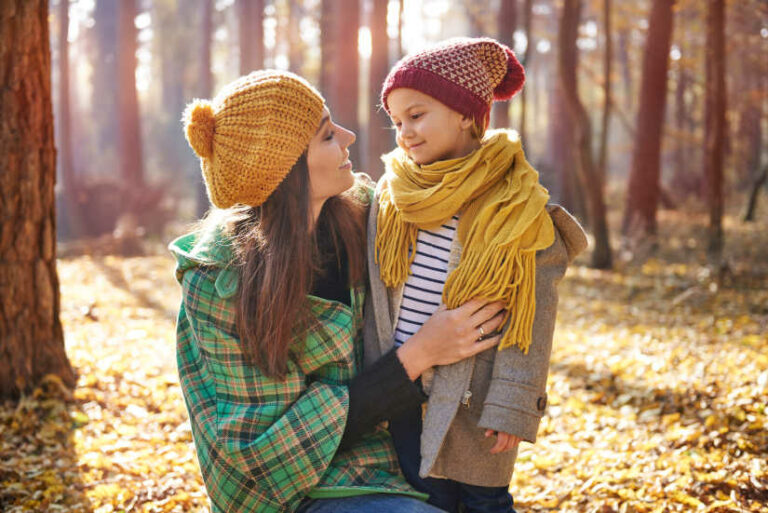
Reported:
(251, 35)
(205, 81)
(607, 98)
(626, 72)
(103, 104)
(295, 42)
(505, 31)
(379, 135)
(528, 17)
(129, 143)
(715, 123)
(31, 339)
(400, 12)
(341, 63)
(749, 215)
(71, 191)
(643, 188)
(591, 183)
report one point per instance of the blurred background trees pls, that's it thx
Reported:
(629, 106)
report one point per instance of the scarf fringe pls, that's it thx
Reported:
(478, 276)
(503, 223)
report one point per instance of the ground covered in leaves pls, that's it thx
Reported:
(658, 391)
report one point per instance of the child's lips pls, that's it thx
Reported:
(415, 146)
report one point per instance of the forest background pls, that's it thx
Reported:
(648, 119)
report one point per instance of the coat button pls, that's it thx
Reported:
(541, 403)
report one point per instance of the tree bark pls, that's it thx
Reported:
(591, 183)
(715, 124)
(643, 186)
(505, 31)
(528, 21)
(251, 35)
(129, 143)
(379, 135)
(31, 338)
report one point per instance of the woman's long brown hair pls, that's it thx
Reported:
(276, 255)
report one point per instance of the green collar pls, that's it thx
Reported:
(209, 248)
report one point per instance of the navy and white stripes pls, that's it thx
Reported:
(424, 287)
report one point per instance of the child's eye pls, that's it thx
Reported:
(416, 115)
(397, 124)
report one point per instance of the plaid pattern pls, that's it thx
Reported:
(264, 444)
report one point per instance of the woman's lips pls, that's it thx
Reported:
(346, 165)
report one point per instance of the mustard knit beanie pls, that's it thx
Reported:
(252, 133)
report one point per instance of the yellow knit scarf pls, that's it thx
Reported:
(503, 223)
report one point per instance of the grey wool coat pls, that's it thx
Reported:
(499, 390)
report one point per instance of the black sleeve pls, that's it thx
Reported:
(381, 392)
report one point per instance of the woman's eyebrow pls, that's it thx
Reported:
(322, 123)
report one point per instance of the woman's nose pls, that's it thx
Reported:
(351, 137)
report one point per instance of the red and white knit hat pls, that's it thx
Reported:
(465, 74)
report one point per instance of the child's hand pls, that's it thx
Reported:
(504, 441)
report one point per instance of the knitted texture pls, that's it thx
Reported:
(251, 134)
(466, 74)
(503, 223)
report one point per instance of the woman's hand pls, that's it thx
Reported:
(452, 335)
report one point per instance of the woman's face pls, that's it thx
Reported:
(330, 171)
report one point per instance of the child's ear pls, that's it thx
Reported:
(466, 123)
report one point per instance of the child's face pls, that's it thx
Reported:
(427, 130)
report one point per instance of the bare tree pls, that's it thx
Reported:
(592, 184)
(527, 27)
(607, 98)
(643, 188)
(340, 22)
(505, 32)
(251, 35)
(129, 128)
(205, 84)
(379, 135)
(66, 163)
(715, 123)
(31, 338)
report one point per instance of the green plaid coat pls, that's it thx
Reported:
(265, 444)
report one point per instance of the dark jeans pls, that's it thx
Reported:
(375, 503)
(446, 494)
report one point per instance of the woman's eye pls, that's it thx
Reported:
(330, 135)
(397, 125)
(416, 116)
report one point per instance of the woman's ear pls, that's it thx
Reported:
(466, 122)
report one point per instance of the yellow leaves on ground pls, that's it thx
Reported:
(658, 390)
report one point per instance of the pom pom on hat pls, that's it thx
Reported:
(199, 126)
(514, 79)
(252, 133)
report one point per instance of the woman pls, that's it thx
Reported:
(269, 336)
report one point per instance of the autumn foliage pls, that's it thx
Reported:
(657, 394)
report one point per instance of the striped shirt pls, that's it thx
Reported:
(423, 290)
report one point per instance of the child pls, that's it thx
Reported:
(460, 214)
